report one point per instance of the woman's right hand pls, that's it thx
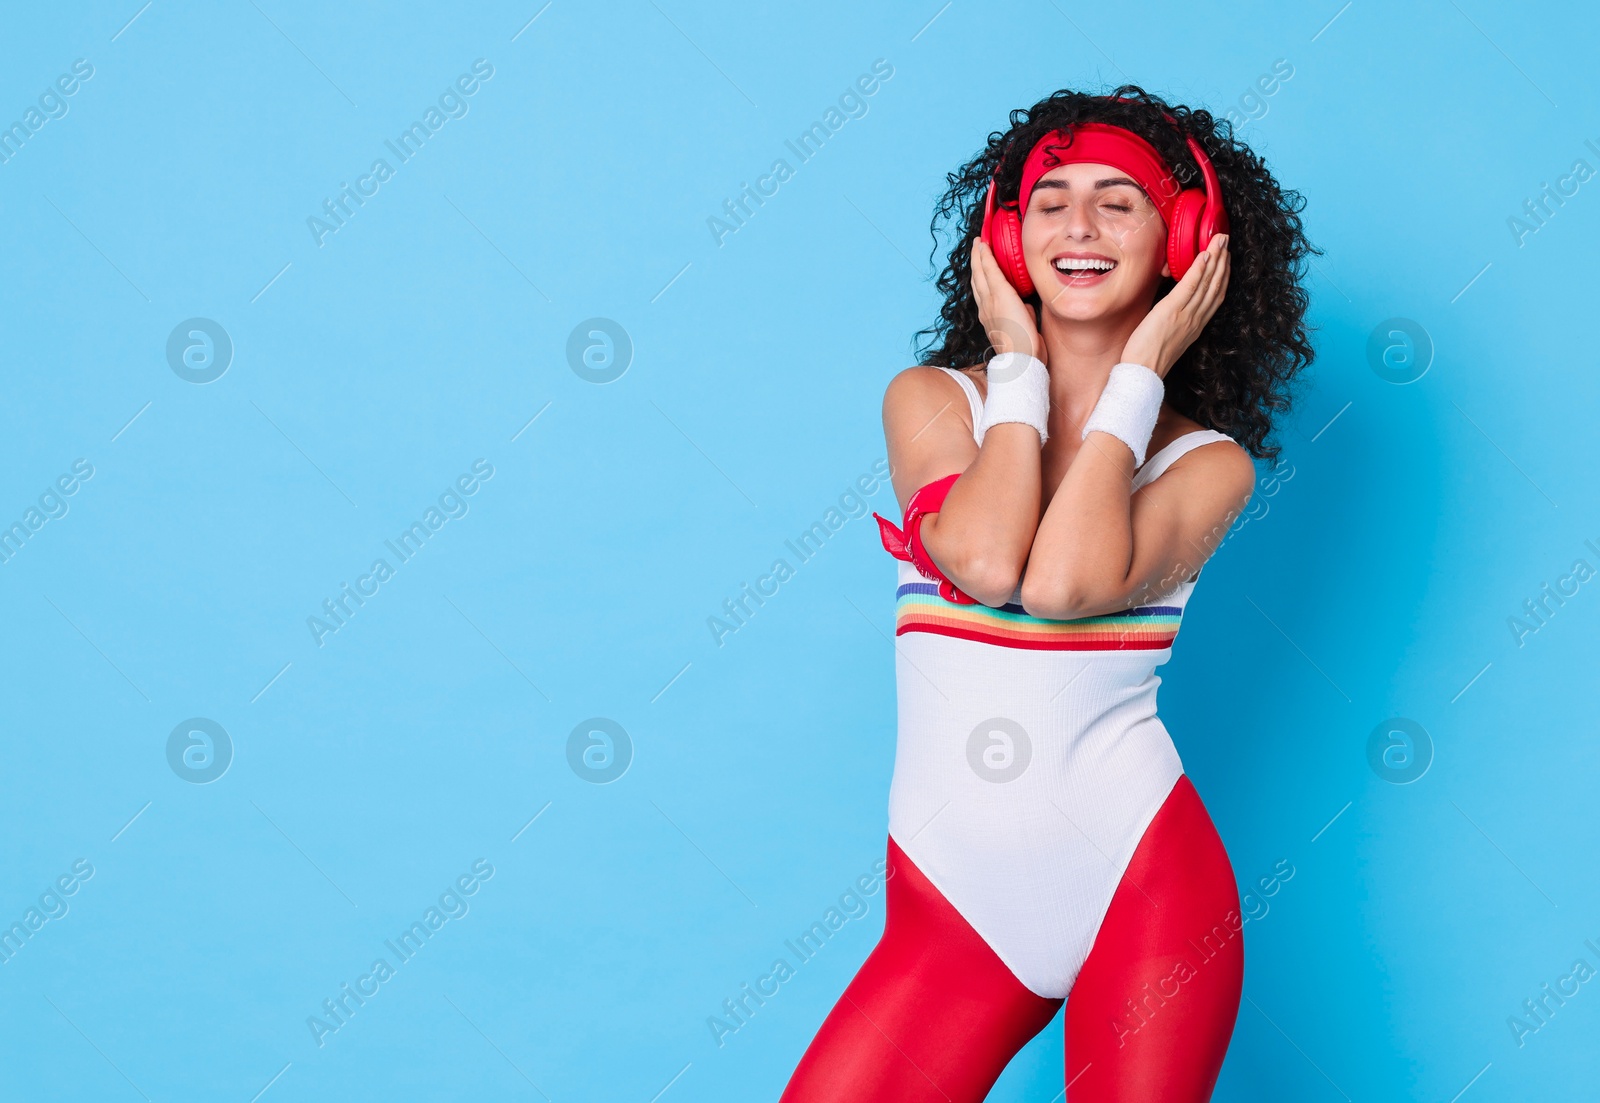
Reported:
(1010, 323)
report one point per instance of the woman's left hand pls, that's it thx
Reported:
(1173, 323)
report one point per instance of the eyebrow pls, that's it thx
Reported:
(1109, 182)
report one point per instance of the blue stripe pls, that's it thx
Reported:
(931, 589)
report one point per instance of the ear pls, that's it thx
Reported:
(1166, 270)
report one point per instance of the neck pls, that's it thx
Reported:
(1082, 355)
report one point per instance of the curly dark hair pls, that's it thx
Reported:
(1240, 368)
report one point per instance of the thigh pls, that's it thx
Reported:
(1151, 1013)
(932, 1015)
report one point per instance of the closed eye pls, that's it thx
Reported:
(1108, 206)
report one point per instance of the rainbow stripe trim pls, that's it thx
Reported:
(919, 608)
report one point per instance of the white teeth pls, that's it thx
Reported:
(1076, 264)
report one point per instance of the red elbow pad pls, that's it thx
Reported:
(906, 543)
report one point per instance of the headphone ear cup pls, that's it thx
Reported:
(1183, 237)
(1005, 238)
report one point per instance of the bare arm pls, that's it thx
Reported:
(980, 537)
(1101, 547)
(1108, 549)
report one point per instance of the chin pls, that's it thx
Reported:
(1087, 305)
(1079, 312)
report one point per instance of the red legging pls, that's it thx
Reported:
(933, 1016)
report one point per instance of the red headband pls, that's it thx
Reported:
(1103, 144)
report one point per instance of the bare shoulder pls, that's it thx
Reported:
(1225, 463)
(927, 425)
(920, 392)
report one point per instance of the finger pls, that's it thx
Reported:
(1223, 268)
(1214, 262)
(992, 275)
(997, 286)
(985, 285)
(1210, 296)
(1207, 300)
(1224, 274)
(1215, 255)
(1207, 307)
(1183, 293)
(980, 282)
(1216, 288)
(985, 257)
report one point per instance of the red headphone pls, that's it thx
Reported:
(1193, 216)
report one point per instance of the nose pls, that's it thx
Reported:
(1080, 222)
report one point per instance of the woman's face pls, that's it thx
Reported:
(1093, 242)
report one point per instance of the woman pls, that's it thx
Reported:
(1111, 348)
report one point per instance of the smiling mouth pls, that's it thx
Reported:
(1080, 271)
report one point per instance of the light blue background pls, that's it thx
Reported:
(1375, 582)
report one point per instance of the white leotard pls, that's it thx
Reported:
(1030, 759)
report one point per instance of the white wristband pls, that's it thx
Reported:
(1019, 390)
(1128, 408)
